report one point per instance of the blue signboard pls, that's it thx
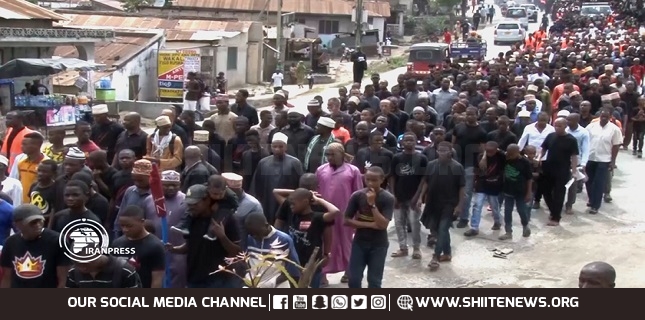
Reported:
(171, 84)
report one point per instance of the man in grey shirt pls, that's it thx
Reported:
(443, 98)
(412, 95)
(247, 204)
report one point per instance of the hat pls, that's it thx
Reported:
(280, 93)
(233, 180)
(532, 88)
(519, 78)
(594, 81)
(294, 110)
(170, 176)
(423, 95)
(201, 136)
(27, 213)
(516, 54)
(605, 97)
(327, 122)
(162, 121)
(614, 96)
(279, 136)
(75, 153)
(100, 109)
(524, 114)
(142, 167)
(4, 160)
(563, 113)
(609, 67)
(529, 97)
(196, 193)
(539, 55)
(511, 60)
(354, 100)
(418, 109)
(313, 103)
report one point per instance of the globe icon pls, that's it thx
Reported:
(84, 237)
(405, 302)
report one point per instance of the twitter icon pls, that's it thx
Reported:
(359, 302)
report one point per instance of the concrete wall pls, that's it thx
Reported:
(237, 76)
(145, 66)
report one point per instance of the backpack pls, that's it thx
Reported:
(116, 275)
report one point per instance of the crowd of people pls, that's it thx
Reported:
(539, 122)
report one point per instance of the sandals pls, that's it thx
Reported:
(344, 279)
(400, 253)
(434, 264)
(445, 258)
(416, 254)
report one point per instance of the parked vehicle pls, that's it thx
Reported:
(468, 50)
(508, 32)
(426, 56)
(532, 11)
(520, 15)
(595, 9)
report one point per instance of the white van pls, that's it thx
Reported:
(520, 15)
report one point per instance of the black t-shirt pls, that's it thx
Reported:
(517, 172)
(108, 178)
(149, 255)
(33, 263)
(490, 181)
(468, 143)
(359, 208)
(64, 217)
(98, 205)
(560, 149)
(503, 139)
(205, 256)
(307, 231)
(117, 273)
(43, 198)
(444, 182)
(366, 158)
(407, 170)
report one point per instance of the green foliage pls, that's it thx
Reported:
(133, 5)
(429, 25)
(389, 64)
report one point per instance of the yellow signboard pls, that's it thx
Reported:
(170, 67)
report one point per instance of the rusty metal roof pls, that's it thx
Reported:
(321, 7)
(130, 22)
(68, 78)
(112, 53)
(25, 10)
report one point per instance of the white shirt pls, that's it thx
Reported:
(602, 140)
(13, 188)
(277, 79)
(535, 76)
(534, 137)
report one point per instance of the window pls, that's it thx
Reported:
(328, 27)
(516, 13)
(300, 21)
(231, 59)
(508, 26)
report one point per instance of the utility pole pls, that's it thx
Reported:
(278, 37)
(359, 22)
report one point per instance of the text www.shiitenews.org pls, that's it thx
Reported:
(496, 302)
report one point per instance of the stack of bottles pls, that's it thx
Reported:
(48, 101)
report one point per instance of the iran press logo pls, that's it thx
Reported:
(85, 240)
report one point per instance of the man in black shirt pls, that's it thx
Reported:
(242, 108)
(560, 164)
(516, 190)
(488, 185)
(103, 173)
(468, 139)
(149, 257)
(205, 253)
(105, 132)
(104, 272)
(32, 258)
(369, 211)
(76, 194)
(502, 135)
(299, 135)
(407, 171)
(308, 228)
(132, 138)
(443, 188)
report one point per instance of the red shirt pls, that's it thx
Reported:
(447, 37)
(638, 72)
(88, 148)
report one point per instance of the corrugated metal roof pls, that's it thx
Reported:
(322, 7)
(68, 78)
(112, 53)
(20, 9)
(129, 22)
(177, 35)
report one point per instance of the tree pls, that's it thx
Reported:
(133, 5)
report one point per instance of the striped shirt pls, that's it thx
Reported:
(115, 274)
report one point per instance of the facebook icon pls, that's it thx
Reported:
(280, 302)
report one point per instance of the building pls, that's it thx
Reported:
(232, 47)
(130, 60)
(326, 17)
(30, 31)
